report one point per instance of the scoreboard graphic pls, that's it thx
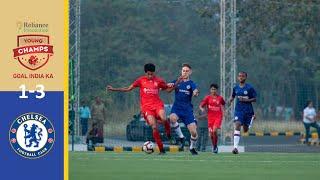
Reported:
(34, 89)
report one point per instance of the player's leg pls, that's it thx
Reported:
(191, 123)
(192, 127)
(151, 120)
(236, 135)
(175, 125)
(215, 139)
(162, 116)
(217, 121)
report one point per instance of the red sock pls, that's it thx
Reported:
(215, 138)
(212, 138)
(167, 128)
(156, 136)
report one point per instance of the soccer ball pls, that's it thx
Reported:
(148, 147)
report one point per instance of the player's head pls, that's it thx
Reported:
(186, 70)
(214, 89)
(149, 69)
(242, 76)
(309, 104)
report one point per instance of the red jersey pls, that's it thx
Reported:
(149, 91)
(213, 105)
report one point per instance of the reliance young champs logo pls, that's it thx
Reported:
(33, 51)
(32, 135)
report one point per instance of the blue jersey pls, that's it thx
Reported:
(247, 92)
(183, 94)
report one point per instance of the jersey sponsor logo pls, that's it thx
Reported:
(184, 91)
(150, 91)
(33, 51)
(31, 135)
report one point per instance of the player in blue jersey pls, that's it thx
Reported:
(182, 107)
(244, 114)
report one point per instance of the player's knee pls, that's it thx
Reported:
(194, 133)
(173, 118)
(214, 130)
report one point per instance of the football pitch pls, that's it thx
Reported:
(129, 165)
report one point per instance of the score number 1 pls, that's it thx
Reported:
(39, 90)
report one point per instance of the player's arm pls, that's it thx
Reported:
(172, 85)
(195, 92)
(201, 115)
(202, 104)
(123, 89)
(233, 95)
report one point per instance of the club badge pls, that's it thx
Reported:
(31, 135)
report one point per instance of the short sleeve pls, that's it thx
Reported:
(162, 84)
(222, 101)
(137, 83)
(252, 92)
(193, 86)
(233, 92)
(204, 101)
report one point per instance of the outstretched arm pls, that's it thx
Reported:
(123, 89)
(172, 86)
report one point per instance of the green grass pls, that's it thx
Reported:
(128, 165)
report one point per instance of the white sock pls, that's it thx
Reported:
(193, 141)
(236, 138)
(177, 129)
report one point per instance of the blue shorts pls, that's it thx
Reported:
(186, 115)
(243, 117)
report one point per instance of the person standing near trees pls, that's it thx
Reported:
(98, 112)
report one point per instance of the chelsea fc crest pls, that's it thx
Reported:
(31, 135)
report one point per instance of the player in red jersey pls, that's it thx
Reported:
(151, 105)
(214, 105)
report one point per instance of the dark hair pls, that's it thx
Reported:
(243, 72)
(214, 85)
(149, 67)
(307, 104)
(186, 65)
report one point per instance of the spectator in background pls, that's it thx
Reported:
(309, 119)
(92, 137)
(85, 115)
(98, 113)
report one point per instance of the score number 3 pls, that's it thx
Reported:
(39, 90)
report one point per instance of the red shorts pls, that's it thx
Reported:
(154, 111)
(214, 123)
